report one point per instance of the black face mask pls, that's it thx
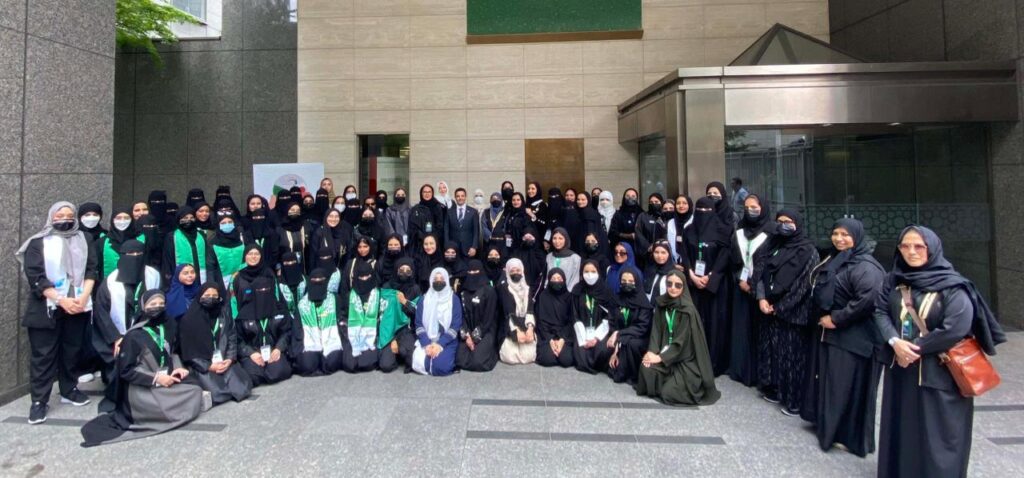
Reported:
(294, 216)
(153, 312)
(628, 288)
(209, 302)
(630, 202)
(63, 226)
(394, 252)
(399, 199)
(130, 268)
(506, 194)
(556, 286)
(668, 215)
(528, 243)
(451, 259)
(515, 277)
(187, 226)
(363, 286)
(404, 277)
(494, 260)
(589, 247)
(366, 221)
(438, 285)
(317, 289)
(653, 209)
(496, 203)
(292, 273)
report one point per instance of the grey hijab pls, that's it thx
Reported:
(76, 248)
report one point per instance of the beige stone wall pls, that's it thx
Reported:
(403, 66)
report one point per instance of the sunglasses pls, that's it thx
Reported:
(674, 285)
(621, 253)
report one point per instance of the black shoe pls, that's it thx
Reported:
(769, 398)
(76, 398)
(789, 413)
(37, 414)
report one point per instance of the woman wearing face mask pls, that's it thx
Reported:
(507, 189)
(438, 321)
(150, 232)
(516, 324)
(624, 260)
(593, 309)
(153, 399)
(676, 369)
(226, 251)
(117, 305)
(262, 232)
(311, 215)
(61, 270)
(321, 204)
(291, 282)
(336, 235)
(427, 218)
(753, 232)
(479, 201)
(157, 203)
(531, 253)
(353, 208)
(184, 246)
(494, 264)
(428, 257)
(631, 328)
(657, 271)
(624, 221)
(325, 260)
(294, 234)
(370, 228)
(388, 260)
(590, 222)
(209, 347)
(517, 222)
(709, 251)
(396, 218)
(365, 254)
(454, 265)
(556, 209)
(223, 200)
(264, 329)
(723, 208)
(783, 294)
(476, 350)
(90, 215)
(555, 335)
(926, 424)
(591, 251)
(108, 247)
(606, 209)
(841, 392)
(279, 213)
(316, 337)
(492, 222)
(397, 336)
(675, 231)
(651, 224)
(562, 257)
(382, 202)
(181, 291)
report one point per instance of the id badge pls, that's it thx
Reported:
(429, 227)
(405, 239)
(700, 268)
(508, 241)
(265, 353)
(547, 236)
(217, 358)
(591, 332)
(745, 274)
(907, 331)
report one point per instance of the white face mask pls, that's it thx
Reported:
(122, 224)
(478, 200)
(605, 203)
(350, 196)
(339, 207)
(590, 278)
(90, 221)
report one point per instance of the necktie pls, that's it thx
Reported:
(462, 212)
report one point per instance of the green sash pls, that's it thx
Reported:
(230, 259)
(110, 256)
(183, 251)
(328, 316)
(391, 317)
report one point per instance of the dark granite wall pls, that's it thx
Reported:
(216, 108)
(56, 123)
(957, 30)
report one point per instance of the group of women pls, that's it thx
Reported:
(178, 306)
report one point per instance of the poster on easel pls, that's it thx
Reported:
(269, 179)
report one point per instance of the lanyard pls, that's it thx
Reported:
(159, 342)
(558, 262)
(590, 308)
(216, 327)
(263, 326)
(625, 316)
(670, 321)
(700, 250)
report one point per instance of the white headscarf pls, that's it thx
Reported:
(479, 207)
(606, 212)
(520, 290)
(76, 248)
(437, 306)
(443, 198)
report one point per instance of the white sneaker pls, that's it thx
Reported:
(86, 378)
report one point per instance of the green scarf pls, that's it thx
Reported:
(230, 259)
(362, 321)
(392, 319)
(183, 251)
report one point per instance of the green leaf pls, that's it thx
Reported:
(139, 22)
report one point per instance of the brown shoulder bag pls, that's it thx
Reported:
(971, 369)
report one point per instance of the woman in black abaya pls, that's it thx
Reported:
(753, 232)
(708, 250)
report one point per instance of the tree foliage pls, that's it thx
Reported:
(140, 22)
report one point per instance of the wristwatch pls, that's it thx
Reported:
(893, 340)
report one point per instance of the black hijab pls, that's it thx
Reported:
(258, 224)
(494, 271)
(556, 206)
(323, 202)
(681, 218)
(363, 287)
(787, 255)
(708, 226)
(552, 307)
(87, 208)
(261, 302)
(475, 281)
(386, 264)
(325, 260)
(251, 273)
(382, 200)
(131, 268)
(284, 198)
(292, 224)
(457, 267)
(752, 226)
(171, 216)
(223, 199)
(428, 262)
(825, 276)
(231, 239)
(158, 205)
(149, 227)
(316, 286)
(938, 274)
(116, 237)
(291, 274)
(599, 290)
(564, 251)
(408, 287)
(636, 299)
(185, 211)
(195, 328)
(195, 197)
(723, 208)
(208, 224)
(634, 209)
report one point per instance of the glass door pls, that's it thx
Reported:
(383, 163)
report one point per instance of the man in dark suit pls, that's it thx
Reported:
(463, 225)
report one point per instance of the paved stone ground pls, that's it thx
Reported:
(526, 421)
